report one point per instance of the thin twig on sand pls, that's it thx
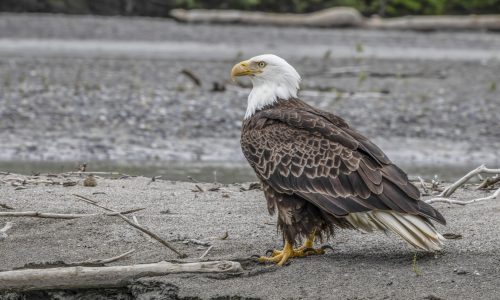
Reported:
(488, 182)
(148, 232)
(97, 173)
(3, 231)
(465, 202)
(37, 214)
(206, 252)
(422, 183)
(100, 262)
(197, 242)
(191, 76)
(192, 179)
(3, 205)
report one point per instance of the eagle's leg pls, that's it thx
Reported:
(281, 257)
(305, 249)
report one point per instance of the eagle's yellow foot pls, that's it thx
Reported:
(281, 257)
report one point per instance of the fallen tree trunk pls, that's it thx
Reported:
(338, 17)
(102, 277)
(332, 17)
(429, 23)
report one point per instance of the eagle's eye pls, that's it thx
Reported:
(261, 64)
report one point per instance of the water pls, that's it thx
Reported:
(222, 172)
(190, 50)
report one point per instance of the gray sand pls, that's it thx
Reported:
(363, 266)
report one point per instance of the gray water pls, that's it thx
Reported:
(221, 172)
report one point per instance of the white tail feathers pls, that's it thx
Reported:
(416, 230)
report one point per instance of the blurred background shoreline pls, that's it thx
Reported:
(158, 8)
(116, 92)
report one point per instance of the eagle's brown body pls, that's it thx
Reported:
(319, 174)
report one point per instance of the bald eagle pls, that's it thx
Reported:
(320, 174)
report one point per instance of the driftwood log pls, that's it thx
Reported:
(339, 17)
(332, 17)
(429, 23)
(103, 277)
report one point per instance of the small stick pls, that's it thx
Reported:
(36, 214)
(197, 242)
(451, 201)
(488, 182)
(3, 231)
(206, 252)
(151, 234)
(95, 173)
(415, 268)
(7, 226)
(13, 179)
(422, 183)
(199, 188)
(100, 262)
(192, 76)
(137, 222)
(3, 205)
(192, 179)
(153, 179)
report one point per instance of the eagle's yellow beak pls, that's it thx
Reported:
(242, 69)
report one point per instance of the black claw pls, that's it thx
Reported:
(327, 247)
(309, 250)
(269, 251)
(255, 256)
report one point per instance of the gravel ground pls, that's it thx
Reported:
(108, 88)
(362, 266)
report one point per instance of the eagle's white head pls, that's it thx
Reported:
(272, 78)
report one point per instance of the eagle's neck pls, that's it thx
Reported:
(266, 92)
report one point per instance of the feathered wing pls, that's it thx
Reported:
(299, 150)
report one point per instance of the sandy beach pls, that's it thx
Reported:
(236, 223)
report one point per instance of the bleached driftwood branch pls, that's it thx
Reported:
(479, 170)
(132, 223)
(448, 191)
(37, 214)
(3, 231)
(101, 277)
(96, 173)
(465, 202)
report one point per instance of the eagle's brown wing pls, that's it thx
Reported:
(312, 154)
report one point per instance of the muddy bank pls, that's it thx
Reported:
(111, 89)
(361, 266)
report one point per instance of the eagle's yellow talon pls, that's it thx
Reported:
(280, 257)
